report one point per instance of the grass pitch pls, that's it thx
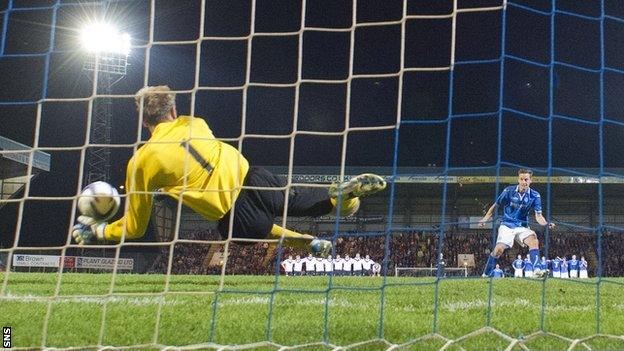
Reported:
(344, 311)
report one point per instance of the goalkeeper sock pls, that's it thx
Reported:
(534, 257)
(347, 206)
(291, 238)
(489, 266)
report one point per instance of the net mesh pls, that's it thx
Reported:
(496, 66)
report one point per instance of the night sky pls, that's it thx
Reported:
(540, 116)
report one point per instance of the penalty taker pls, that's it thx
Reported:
(517, 201)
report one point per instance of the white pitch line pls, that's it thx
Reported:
(97, 300)
(333, 302)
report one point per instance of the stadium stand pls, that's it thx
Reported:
(14, 173)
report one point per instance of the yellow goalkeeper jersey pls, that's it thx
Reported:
(183, 159)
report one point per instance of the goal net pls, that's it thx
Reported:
(446, 99)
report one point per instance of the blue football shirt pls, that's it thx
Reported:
(583, 265)
(556, 265)
(518, 264)
(516, 206)
(544, 264)
(528, 266)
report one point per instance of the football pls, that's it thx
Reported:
(99, 200)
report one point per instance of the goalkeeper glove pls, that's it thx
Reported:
(88, 231)
(320, 247)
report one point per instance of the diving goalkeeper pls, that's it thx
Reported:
(183, 159)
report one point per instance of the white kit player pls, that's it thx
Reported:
(357, 265)
(347, 264)
(367, 265)
(518, 266)
(298, 266)
(329, 265)
(319, 266)
(287, 265)
(376, 269)
(338, 262)
(310, 263)
(517, 201)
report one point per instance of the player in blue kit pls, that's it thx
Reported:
(544, 263)
(518, 265)
(564, 268)
(573, 266)
(583, 268)
(517, 201)
(498, 272)
(556, 267)
(529, 269)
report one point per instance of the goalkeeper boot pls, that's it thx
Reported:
(320, 247)
(362, 185)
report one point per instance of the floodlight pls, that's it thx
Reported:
(104, 38)
(107, 49)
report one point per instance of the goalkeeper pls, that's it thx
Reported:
(517, 200)
(183, 159)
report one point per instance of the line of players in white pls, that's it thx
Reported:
(560, 267)
(330, 266)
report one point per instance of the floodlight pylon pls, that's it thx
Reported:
(111, 67)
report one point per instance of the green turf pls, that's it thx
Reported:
(309, 310)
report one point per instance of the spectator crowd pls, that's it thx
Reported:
(406, 249)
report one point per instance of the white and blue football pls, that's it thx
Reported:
(99, 200)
